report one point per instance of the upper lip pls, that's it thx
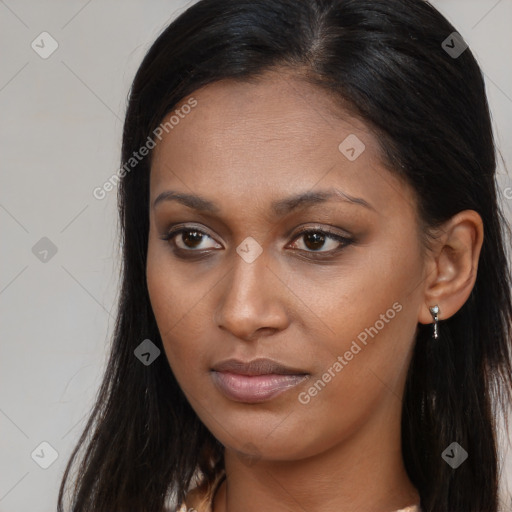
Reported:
(261, 366)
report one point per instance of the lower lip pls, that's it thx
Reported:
(254, 388)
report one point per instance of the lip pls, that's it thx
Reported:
(260, 366)
(254, 381)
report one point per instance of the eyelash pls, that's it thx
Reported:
(344, 241)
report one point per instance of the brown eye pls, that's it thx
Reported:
(191, 239)
(314, 240)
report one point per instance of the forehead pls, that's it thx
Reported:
(267, 137)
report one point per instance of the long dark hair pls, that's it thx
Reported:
(385, 61)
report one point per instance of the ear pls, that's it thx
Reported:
(451, 265)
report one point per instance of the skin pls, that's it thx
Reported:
(243, 146)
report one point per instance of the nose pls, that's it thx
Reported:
(253, 300)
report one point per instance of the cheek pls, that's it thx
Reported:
(374, 350)
(181, 303)
(370, 314)
(346, 299)
(173, 307)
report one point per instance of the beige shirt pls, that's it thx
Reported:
(201, 501)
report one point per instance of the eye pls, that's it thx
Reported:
(191, 239)
(315, 239)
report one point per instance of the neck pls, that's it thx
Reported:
(364, 472)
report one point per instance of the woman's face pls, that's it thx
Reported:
(336, 306)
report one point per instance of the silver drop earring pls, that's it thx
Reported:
(434, 311)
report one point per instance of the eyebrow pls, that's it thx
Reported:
(280, 208)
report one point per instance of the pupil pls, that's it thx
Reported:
(316, 239)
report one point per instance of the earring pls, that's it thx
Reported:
(434, 311)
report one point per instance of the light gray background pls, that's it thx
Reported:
(60, 136)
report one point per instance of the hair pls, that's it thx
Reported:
(383, 60)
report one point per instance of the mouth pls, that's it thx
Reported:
(255, 381)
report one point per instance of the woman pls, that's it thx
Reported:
(340, 338)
